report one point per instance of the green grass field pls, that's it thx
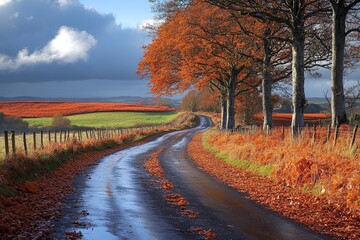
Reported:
(90, 120)
(110, 119)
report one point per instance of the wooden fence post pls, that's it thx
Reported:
(13, 142)
(61, 133)
(353, 136)
(25, 145)
(49, 135)
(55, 136)
(34, 140)
(6, 138)
(42, 139)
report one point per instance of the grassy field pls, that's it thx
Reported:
(90, 120)
(109, 119)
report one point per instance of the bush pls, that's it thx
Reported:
(12, 123)
(60, 122)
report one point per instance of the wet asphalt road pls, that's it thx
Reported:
(118, 199)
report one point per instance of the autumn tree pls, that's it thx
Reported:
(190, 101)
(208, 100)
(200, 46)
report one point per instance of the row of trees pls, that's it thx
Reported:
(236, 46)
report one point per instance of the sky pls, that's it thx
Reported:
(82, 48)
(72, 48)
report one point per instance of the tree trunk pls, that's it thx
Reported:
(338, 113)
(230, 121)
(223, 110)
(298, 78)
(266, 84)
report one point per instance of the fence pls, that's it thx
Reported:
(30, 142)
(315, 133)
(12, 143)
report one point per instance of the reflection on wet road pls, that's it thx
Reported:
(121, 203)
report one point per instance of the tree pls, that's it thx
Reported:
(273, 62)
(190, 101)
(208, 100)
(342, 11)
(248, 104)
(292, 15)
(200, 46)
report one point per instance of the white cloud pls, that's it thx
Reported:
(68, 46)
(64, 3)
(150, 23)
(4, 2)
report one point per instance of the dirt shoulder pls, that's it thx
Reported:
(315, 212)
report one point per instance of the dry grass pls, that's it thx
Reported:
(316, 167)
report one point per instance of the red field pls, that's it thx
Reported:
(284, 119)
(50, 109)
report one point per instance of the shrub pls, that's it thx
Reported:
(60, 122)
(12, 123)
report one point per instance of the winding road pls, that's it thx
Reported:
(118, 199)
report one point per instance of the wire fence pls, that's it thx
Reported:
(13, 143)
(315, 134)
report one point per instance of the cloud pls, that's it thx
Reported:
(68, 46)
(150, 23)
(62, 40)
(64, 3)
(4, 2)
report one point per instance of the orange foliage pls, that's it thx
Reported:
(50, 109)
(296, 163)
(192, 49)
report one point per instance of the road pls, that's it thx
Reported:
(118, 199)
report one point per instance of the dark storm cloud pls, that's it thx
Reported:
(44, 40)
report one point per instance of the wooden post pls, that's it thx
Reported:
(314, 135)
(61, 133)
(6, 138)
(336, 134)
(42, 139)
(34, 140)
(55, 138)
(353, 136)
(25, 145)
(13, 142)
(49, 135)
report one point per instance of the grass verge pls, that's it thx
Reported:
(262, 170)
